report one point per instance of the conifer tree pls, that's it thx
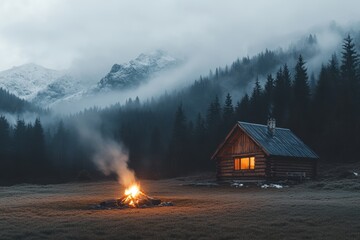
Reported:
(37, 142)
(301, 83)
(280, 97)
(242, 109)
(213, 123)
(348, 105)
(228, 114)
(300, 103)
(4, 136)
(5, 162)
(269, 95)
(349, 62)
(257, 108)
(179, 142)
(22, 162)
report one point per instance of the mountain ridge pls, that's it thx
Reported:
(137, 71)
(45, 87)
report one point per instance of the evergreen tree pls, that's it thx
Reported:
(348, 105)
(4, 136)
(37, 152)
(301, 84)
(214, 114)
(201, 150)
(279, 97)
(5, 161)
(288, 94)
(312, 83)
(228, 114)
(59, 146)
(256, 103)
(323, 117)
(350, 61)
(179, 143)
(326, 94)
(213, 123)
(242, 109)
(22, 163)
(269, 94)
(300, 103)
(155, 152)
(200, 130)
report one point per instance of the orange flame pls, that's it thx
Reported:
(133, 190)
(132, 195)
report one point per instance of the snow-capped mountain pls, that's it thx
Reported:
(137, 71)
(37, 84)
(59, 89)
(26, 81)
(46, 87)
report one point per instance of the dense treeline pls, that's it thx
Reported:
(12, 104)
(23, 151)
(327, 117)
(177, 133)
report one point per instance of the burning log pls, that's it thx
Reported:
(133, 198)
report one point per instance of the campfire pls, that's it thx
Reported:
(133, 198)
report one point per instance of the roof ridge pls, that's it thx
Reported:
(283, 143)
(262, 125)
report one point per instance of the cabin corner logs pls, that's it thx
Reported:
(258, 152)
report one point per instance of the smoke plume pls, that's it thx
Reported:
(109, 156)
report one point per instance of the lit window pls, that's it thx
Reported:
(244, 163)
(237, 163)
(252, 163)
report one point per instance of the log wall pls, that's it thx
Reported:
(241, 145)
(291, 167)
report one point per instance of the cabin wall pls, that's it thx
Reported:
(240, 145)
(284, 168)
(266, 168)
(226, 171)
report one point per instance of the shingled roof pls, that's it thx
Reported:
(282, 143)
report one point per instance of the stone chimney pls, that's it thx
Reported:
(271, 124)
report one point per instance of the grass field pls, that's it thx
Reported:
(63, 211)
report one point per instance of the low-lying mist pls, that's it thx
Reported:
(327, 39)
(165, 81)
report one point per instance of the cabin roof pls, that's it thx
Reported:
(282, 143)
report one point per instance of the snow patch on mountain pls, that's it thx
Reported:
(39, 85)
(137, 71)
(59, 89)
(48, 88)
(27, 80)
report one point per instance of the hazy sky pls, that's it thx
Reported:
(91, 35)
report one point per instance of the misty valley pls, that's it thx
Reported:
(165, 145)
(176, 133)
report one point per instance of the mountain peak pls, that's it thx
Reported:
(25, 81)
(29, 66)
(137, 71)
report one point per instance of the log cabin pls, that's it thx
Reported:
(263, 152)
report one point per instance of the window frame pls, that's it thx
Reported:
(249, 164)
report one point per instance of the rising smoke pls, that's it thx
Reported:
(109, 156)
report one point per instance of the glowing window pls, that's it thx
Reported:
(245, 163)
(237, 163)
(252, 162)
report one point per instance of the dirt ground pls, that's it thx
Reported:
(304, 211)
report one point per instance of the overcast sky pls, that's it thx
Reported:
(91, 35)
